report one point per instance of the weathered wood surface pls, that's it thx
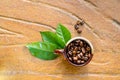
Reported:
(21, 21)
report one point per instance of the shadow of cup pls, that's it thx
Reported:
(64, 51)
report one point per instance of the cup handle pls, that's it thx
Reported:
(59, 51)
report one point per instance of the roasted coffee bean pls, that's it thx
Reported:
(84, 44)
(76, 26)
(81, 54)
(74, 52)
(79, 48)
(77, 41)
(83, 50)
(71, 48)
(75, 58)
(82, 61)
(78, 52)
(80, 22)
(70, 58)
(82, 57)
(78, 61)
(81, 43)
(89, 55)
(70, 53)
(79, 31)
(71, 44)
(85, 58)
(86, 55)
(76, 48)
(88, 48)
(75, 61)
(76, 44)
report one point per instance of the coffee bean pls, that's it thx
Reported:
(79, 31)
(74, 52)
(85, 58)
(85, 44)
(76, 48)
(76, 26)
(80, 22)
(78, 52)
(75, 58)
(81, 43)
(82, 57)
(77, 41)
(86, 55)
(89, 55)
(81, 54)
(83, 50)
(82, 61)
(70, 53)
(71, 44)
(88, 48)
(79, 48)
(78, 61)
(71, 48)
(76, 44)
(70, 58)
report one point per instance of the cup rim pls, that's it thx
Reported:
(82, 38)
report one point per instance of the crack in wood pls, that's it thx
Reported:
(99, 64)
(91, 3)
(106, 17)
(117, 23)
(27, 22)
(13, 45)
(63, 10)
(96, 9)
(7, 32)
(10, 35)
(66, 12)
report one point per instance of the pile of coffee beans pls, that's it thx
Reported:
(78, 52)
(77, 25)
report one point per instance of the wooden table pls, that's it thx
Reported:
(21, 21)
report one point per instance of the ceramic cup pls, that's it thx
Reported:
(65, 53)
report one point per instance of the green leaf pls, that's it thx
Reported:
(45, 50)
(52, 37)
(42, 50)
(63, 32)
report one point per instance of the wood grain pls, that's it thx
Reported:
(108, 8)
(21, 21)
